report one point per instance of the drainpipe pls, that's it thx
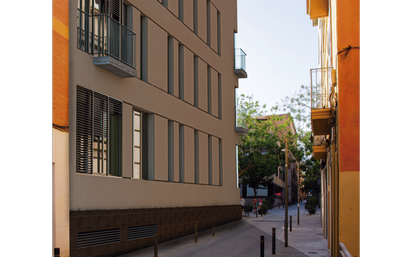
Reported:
(335, 191)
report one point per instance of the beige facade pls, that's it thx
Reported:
(177, 139)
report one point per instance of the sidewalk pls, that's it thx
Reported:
(242, 238)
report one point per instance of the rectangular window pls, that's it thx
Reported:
(195, 19)
(220, 163)
(210, 160)
(181, 72)
(181, 153)
(196, 80)
(181, 10)
(98, 133)
(170, 151)
(144, 49)
(218, 33)
(219, 92)
(209, 89)
(137, 144)
(237, 166)
(170, 65)
(196, 157)
(208, 24)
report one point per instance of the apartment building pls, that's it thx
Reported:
(151, 143)
(335, 119)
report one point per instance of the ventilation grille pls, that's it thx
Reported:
(88, 239)
(141, 232)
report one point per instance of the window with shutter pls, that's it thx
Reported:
(116, 10)
(98, 133)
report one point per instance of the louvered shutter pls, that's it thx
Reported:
(84, 140)
(100, 132)
(98, 136)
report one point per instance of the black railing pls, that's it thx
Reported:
(100, 35)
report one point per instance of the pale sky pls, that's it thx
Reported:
(281, 46)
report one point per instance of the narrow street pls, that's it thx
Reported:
(242, 238)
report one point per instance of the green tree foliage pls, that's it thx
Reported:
(260, 149)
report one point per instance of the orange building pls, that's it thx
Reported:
(60, 150)
(335, 119)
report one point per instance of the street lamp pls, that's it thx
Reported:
(283, 150)
(286, 192)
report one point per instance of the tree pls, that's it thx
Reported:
(260, 149)
(299, 105)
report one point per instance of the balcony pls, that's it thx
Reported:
(112, 44)
(321, 97)
(240, 63)
(240, 120)
(317, 8)
(320, 143)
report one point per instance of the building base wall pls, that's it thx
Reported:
(172, 223)
(349, 206)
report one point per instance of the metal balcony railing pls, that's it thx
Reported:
(321, 88)
(240, 59)
(100, 35)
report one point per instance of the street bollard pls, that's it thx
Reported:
(290, 223)
(196, 232)
(213, 227)
(56, 252)
(273, 240)
(262, 246)
(155, 244)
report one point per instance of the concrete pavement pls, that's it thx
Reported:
(242, 238)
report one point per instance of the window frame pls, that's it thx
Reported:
(88, 104)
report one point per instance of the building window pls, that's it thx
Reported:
(98, 133)
(181, 73)
(137, 144)
(220, 163)
(237, 166)
(196, 156)
(171, 155)
(181, 153)
(144, 48)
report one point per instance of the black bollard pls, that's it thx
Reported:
(291, 223)
(273, 240)
(196, 232)
(213, 227)
(155, 244)
(262, 246)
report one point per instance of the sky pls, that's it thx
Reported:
(281, 46)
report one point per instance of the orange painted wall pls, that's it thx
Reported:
(348, 28)
(60, 63)
(348, 81)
